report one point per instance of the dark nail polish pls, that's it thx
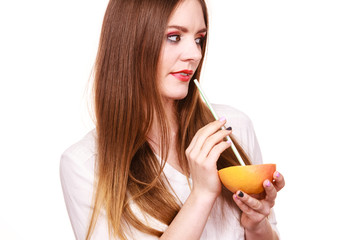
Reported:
(241, 194)
(229, 128)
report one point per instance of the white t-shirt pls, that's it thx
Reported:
(77, 178)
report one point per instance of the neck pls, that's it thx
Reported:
(169, 107)
(154, 135)
(171, 119)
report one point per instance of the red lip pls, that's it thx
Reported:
(180, 75)
(190, 72)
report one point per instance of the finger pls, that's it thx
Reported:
(249, 205)
(250, 201)
(243, 207)
(215, 152)
(271, 193)
(208, 130)
(279, 181)
(201, 135)
(213, 140)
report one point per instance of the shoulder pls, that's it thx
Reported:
(77, 163)
(77, 173)
(79, 156)
(242, 129)
(240, 122)
(233, 115)
(82, 150)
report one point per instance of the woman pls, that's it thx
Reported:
(149, 171)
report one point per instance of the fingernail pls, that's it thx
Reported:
(240, 194)
(277, 174)
(229, 128)
(228, 141)
(222, 119)
(267, 183)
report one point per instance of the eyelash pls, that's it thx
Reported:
(177, 37)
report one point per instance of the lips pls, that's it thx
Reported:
(183, 75)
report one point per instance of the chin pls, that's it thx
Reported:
(180, 96)
(177, 93)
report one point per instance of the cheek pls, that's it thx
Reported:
(163, 62)
(170, 54)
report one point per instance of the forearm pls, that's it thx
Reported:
(189, 223)
(263, 232)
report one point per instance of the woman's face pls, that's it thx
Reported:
(181, 50)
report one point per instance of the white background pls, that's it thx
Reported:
(292, 66)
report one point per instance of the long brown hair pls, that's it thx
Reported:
(127, 100)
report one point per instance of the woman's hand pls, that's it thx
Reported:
(255, 209)
(202, 155)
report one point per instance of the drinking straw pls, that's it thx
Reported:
(237, 154)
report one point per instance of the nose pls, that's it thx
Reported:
(192, 52)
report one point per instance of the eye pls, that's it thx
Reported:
(174, 38)
(199, 40)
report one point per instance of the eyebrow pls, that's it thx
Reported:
(185, 30)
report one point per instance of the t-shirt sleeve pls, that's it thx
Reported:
(77, 180)
(244, 133)
(77, 175)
